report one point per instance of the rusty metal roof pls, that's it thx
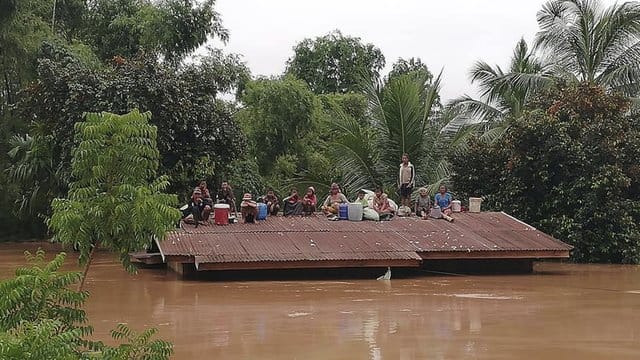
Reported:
(314, 238)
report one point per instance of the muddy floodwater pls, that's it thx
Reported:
(562, 311)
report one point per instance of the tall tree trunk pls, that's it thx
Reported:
(86, 269)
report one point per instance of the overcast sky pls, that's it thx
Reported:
(445, 34)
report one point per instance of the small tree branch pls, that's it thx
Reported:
(86, 269)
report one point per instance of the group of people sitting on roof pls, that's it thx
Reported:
(376, 205)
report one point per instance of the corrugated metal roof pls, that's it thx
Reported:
(315, 238)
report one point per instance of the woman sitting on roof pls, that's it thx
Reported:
(443, 199)
(332, 202)
(292, 203)
(249, 209)
(381, 204)
(309, 201)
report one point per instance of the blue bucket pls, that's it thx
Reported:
(343, 211)
(262, 211)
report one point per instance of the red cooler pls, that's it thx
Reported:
(221, 214)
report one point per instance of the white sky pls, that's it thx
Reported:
(449, 34)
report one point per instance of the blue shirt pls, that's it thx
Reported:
(443, 201)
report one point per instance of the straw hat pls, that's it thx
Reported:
(246, 196)
(197, 191)
(422, 189)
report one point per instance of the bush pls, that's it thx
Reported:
(568, 167)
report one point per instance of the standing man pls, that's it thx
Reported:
(406, 180)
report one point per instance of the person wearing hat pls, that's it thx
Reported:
(309, 201)
(248, 209)
(423, 204)
(332, 203)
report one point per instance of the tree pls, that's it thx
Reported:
(278, 115)
(196, 132)
(568, 167)
(412, 66)
(173, 28)
(334, 63)
(42, 318)
(115, 201)
(589, 43)
(401, 122)
(504, 94)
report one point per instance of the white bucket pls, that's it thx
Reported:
(474, 204)
(456, 206)
(436, 213)
(355, 212)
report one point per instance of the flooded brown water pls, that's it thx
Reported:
(562, 311)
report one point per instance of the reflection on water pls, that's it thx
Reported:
(562, 311)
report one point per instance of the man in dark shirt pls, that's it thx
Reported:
(225, 196)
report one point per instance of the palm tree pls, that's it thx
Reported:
(402, 120)
(589, 43)
(34, 170)
(503, 94)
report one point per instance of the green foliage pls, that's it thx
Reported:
(115, 201)
(401, 121)
(589, 42)
(138, 346)
(277, 117)
(173, 28)
(45, 339)
(196, 133)
(570, 169)
(40, 293)
(244, 176)
(413, 66)
(41, 318)
(503, 94)
(335, 63)
(352, 104)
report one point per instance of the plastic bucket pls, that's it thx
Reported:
(436, 213)
(221, 214)
(262, 211)
(456, 206)
(474, 204)
(343, 211)
(355, 212)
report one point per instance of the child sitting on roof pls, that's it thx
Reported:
(309, 201)
(423, 204)
(249, 209)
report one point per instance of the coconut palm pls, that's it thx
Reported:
(503, 94)
(402, 120)
(592, 43)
